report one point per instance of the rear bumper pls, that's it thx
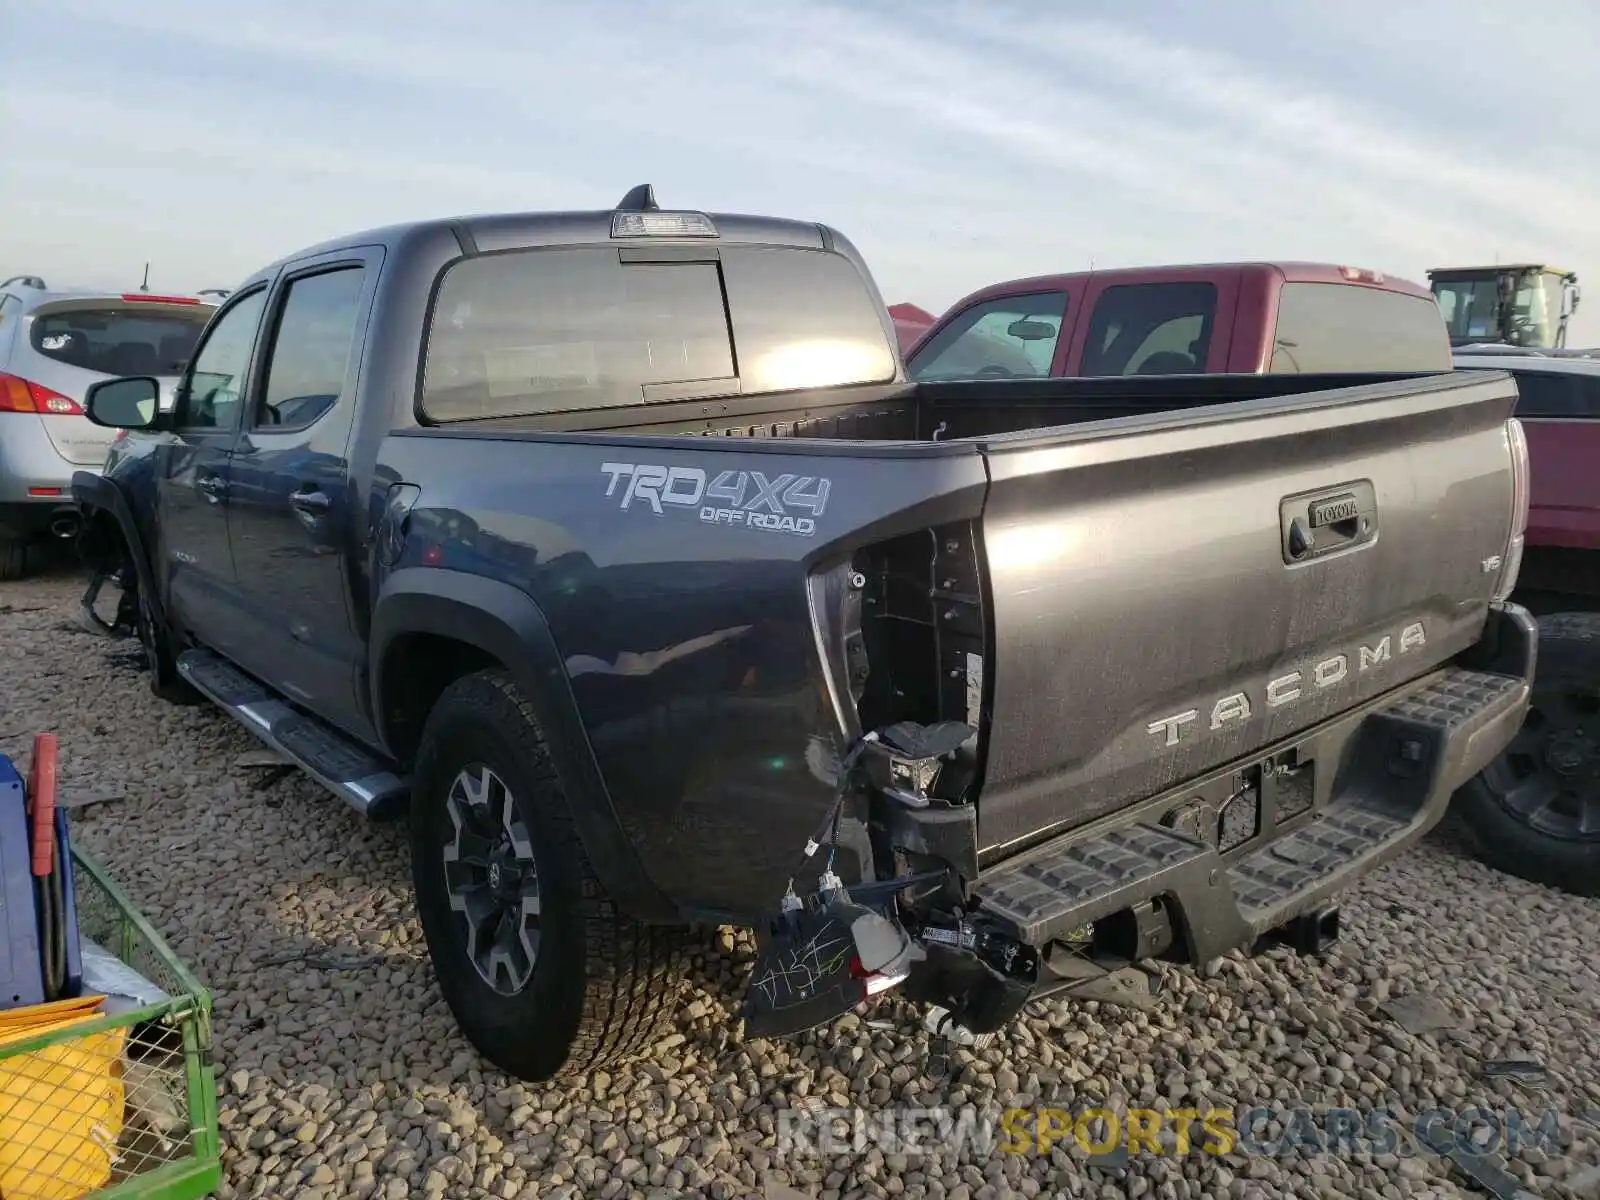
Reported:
(28, 458)
(35, 481)
(1384, 775)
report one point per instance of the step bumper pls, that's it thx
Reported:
(1391, 769)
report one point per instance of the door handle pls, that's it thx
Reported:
(313, 504)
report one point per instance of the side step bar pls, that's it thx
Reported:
(357, 776)
(1411, 753)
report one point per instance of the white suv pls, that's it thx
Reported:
(53, 345)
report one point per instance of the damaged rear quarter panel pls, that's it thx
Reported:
(686, 632)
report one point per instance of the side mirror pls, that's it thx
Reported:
(1031, 331)
(129, 403)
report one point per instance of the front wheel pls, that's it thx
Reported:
(1535, 811)
(543, 974)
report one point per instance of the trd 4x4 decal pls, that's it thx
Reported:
(750, 499)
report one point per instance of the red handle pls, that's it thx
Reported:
(42, 803)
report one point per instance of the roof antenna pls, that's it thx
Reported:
(145, 286)
(639, 199)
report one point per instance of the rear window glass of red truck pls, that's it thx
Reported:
(1013, 337)
(1336, 327)
(117, 341)
(1151, 329)
(569, 330)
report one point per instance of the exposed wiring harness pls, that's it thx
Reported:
(828, 831)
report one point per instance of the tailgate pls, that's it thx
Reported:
(1155, 611)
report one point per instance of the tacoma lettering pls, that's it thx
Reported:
(1236, 707)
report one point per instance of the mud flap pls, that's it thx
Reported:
(819, 961)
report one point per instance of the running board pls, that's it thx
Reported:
(357, 776)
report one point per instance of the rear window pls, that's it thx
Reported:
(1151, 329)
(120, 341)
(570, 330)
(1013, 337)
(1333, 327)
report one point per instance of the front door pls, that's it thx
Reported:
(293, 524)
(191, 469)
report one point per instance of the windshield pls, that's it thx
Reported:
(1470, 308)
(1010, 338)
(120, 341)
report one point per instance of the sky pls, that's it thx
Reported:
(957, 144)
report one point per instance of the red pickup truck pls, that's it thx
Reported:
(1536, 811)
(1238, 318)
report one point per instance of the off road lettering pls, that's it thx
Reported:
(733, 498)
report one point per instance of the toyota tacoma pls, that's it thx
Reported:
(617, 552)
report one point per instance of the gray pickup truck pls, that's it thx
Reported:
(615, 550)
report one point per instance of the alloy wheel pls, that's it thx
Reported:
(491, 879)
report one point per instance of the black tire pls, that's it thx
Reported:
(160, 662)
(600, 981)
(1556, 754)
(13, 559)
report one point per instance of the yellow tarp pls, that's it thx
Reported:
(61, 1108)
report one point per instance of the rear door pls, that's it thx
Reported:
(1153, 618)
(291, 516)
(1178, 326)
(191, 469)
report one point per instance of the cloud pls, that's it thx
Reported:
(955, 143)
(1361, 149)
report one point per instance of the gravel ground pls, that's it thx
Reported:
(342, 1074)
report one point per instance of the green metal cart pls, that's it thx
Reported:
(120, 1105)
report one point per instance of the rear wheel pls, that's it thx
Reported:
(1535, 811)
(543, 974)
(13, 558)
